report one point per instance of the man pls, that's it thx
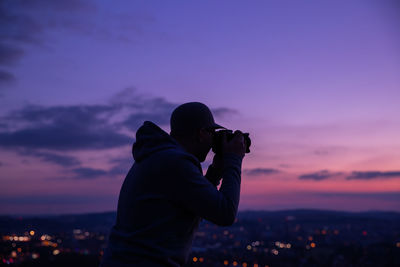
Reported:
(165, 194)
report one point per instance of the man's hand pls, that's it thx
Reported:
(236, 145)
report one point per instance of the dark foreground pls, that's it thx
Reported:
(283, 238)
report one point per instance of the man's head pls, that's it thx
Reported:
(193, 125)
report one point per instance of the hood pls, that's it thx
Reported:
(149, 139)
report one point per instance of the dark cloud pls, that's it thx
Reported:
(61, 6)
(63, 128)
(9, 54)
(89, 173)
(155, 109)
(369, 175)
(318, 176)
(6, 77)
(18, 27)
(222, 112)
(135, 120)
(55, 199)
(121, 165)
(386, 196)
(260, 171)
(62, 160)
(142, 108)
(24, 23)
(48, 132)
(60, 137)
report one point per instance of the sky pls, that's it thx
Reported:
(315, 83)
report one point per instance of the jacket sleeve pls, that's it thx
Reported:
(212, 176)
(193, 191)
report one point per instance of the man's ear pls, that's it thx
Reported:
(201, 135)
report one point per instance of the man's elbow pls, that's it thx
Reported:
(228, 219)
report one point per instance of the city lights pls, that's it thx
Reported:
(243, 251)
(336, 232)
(45, 237)
(16, 238)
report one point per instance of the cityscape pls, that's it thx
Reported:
(257, 238)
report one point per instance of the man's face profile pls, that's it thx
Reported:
(205, 141)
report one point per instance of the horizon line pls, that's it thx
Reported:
(240, 211)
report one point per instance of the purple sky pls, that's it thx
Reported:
(317, 85)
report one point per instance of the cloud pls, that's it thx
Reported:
(319, 176)
(58, 199)
(134, 120)
(120, 168)
(62, 160)
(121, 165)
(48, 132)
(369, 175)
(155, 109)
(60, 137)
(386, 196)
(260, 171)
(24, 23)
(18, 27)
(222, 112)
(9, 54)
(77, 127)
(6, 77)
(61, 6)
(89, 173)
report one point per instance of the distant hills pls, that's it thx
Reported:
(102, 222)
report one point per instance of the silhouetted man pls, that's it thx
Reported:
(165, 194)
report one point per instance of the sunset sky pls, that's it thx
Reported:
(315, 83)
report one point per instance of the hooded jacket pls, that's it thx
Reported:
(162, 200)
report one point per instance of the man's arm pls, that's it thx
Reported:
(214, 171)
(194, 192)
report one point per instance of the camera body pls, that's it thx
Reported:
(218, 138)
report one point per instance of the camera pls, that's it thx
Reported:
(218, 138)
